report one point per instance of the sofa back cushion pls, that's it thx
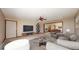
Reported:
(63, 38)
(47, 34)
(67, 35)
(54, 35)
(73, 37)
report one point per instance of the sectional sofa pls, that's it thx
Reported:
(64, 41)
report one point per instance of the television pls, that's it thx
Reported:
(27, 28)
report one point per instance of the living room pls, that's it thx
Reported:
(31, 23)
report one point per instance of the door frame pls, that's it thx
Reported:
(5, 27)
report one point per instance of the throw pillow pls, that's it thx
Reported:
(67, 35)
(73, 37)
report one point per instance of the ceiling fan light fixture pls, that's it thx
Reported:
(41, 18)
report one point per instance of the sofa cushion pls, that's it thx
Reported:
(63, 38)
(67, 35)
(73, 37)
(54, 35)
(60, 34)
(53, 46)
(68, 44)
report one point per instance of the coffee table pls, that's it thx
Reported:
(42, 43)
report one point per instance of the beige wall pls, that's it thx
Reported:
(77, 23)
(20, 24)
(2, 27)
(68, 23)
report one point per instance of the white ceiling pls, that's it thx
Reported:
(35, 13)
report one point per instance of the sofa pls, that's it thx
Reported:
(65, 40)
(71, 41)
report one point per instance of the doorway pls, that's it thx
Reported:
(11, 29)
(54, 27)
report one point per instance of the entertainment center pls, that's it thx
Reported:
(27, 30)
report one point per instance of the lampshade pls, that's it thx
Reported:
(67, 30)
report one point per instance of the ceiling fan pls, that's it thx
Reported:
(42, 18)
